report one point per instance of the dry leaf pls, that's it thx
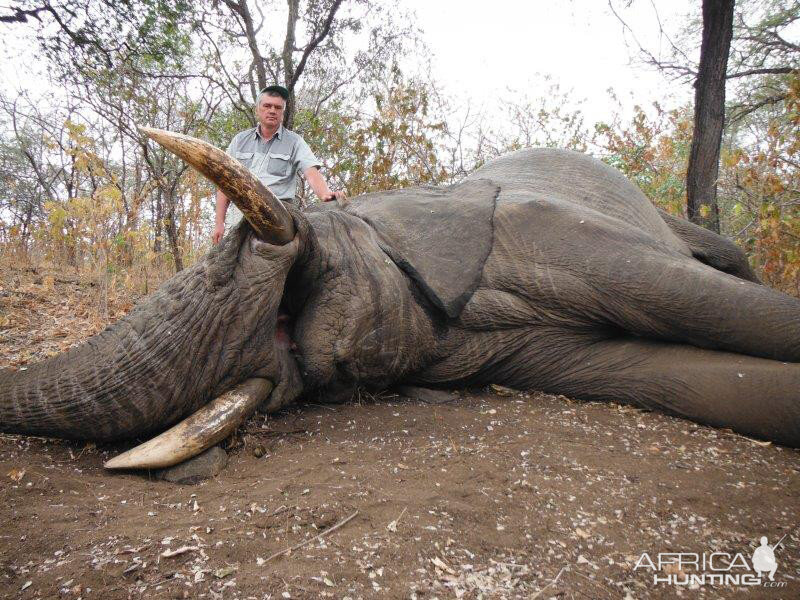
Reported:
(225, 571)
(16, 474)
(442, 565)
(674, 569)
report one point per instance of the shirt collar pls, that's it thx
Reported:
(278, 134)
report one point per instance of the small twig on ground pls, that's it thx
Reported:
(309, 540)
(157, 583)
(453, 444)
(393, 525)
(539, 593)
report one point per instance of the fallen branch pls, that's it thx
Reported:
(316, 537)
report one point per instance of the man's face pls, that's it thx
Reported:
(270, 111)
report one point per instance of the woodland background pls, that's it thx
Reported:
(83, 192)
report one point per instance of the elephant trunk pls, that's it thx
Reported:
(139, 375)
(196, 337)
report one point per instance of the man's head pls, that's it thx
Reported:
(270, 106)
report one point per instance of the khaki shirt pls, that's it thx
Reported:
(275, 162)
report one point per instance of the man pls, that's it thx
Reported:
(274, 155)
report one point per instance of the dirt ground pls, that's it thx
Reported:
(495, 495)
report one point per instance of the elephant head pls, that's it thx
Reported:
(207, 329)
(545, 269)
(230, 321)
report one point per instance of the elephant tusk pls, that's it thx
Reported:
(210, 424)
(262, 209)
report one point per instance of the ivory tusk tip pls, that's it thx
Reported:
(158, 135)
(119, 462)
(212, 423)
(157, 453)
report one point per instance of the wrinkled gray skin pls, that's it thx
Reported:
(546, 270)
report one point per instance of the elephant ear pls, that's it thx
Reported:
(440, 237)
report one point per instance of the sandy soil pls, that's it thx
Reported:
(495, 495)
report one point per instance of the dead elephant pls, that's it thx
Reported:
(545, 269)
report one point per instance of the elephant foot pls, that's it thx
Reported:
(426, 395)
(196, 469)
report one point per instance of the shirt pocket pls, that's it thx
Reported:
(278, 164)
(246, 158)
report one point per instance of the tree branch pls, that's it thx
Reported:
(288, 45)
(740, 111)
(764, 71)
(326, 28)
(21, 16)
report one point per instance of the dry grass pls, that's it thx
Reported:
(43, 305)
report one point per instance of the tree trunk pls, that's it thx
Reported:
(709, 114)
(252, 43)
(158, 219)
(26, 225)
(292, 72)
(288, 62)
(171, 227)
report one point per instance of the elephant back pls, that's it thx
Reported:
(561, 176)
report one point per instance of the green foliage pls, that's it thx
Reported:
(87, 36)
(760, 182)
(651, 151)
(395, 148)
(392, 146)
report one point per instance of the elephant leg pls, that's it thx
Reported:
(710, 248)
(578, 270)
(656, 296)
(753, 396)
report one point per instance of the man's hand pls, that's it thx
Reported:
(340, 196)
(219, 231)
(321, 188)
